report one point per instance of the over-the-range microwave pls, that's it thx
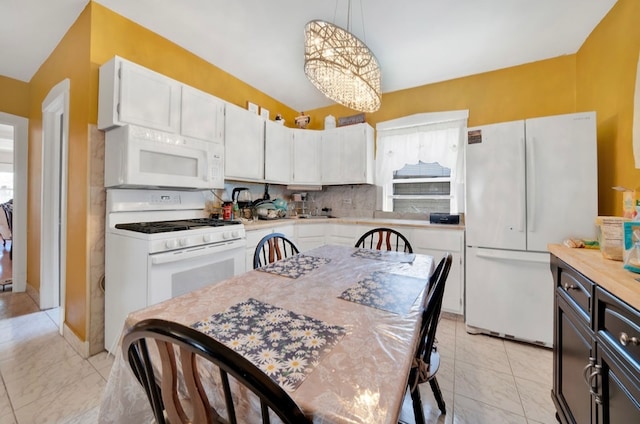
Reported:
(143, 157)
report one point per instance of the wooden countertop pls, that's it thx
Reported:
(380, 222)
(608, 274)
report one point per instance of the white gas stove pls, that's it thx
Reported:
(161, 244)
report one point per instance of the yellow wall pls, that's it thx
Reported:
(606, 78)
(536, 89)
(14, 97)
(70, 59)
(112, 34)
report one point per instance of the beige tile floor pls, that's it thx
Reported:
(488, 380)
(483, 379)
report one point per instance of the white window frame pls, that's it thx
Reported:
(422, 122)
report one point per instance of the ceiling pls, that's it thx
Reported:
(416, 42)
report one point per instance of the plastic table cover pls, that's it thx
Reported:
(361, 379)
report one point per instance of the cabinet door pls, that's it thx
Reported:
(436, 243)
(278, 151)
(244, 145)
(573, 348)
(357, 154)
(202, 115)
(148, 98)
(310, 236)
(331, 156)
(306, 156)
(619, 389)
(347, 155)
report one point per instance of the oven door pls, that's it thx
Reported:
(178, 272)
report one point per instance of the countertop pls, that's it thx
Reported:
(379, 222)
(608, 274)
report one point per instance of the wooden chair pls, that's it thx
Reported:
(273, 247)
(384, 239)
(427, 358)
(194, 346)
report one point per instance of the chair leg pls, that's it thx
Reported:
(417, 405)
(438, 395)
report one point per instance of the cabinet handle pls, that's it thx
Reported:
(626, 340)
(586, 371)
(568, 286)
(592, 387)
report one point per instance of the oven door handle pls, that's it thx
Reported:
(180, 255)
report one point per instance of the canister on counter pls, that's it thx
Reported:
(226, 211)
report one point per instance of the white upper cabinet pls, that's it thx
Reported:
(202, 115)
(278, 153)
(244, 144)
(132, 94)
(306, 157)
(347, 155)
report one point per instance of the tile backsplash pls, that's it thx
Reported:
(357, 200)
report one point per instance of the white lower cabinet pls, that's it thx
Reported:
(310, 236)
(437, 242)
(345, 234)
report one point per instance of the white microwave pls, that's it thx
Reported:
(143, 157)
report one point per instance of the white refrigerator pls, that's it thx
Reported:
(528, 183)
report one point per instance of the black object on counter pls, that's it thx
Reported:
(444, 218)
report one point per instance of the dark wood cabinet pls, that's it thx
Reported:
(573, 348)
(596, 375)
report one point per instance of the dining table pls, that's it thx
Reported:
(335, 326)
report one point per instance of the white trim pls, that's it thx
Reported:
(19, 236)
(56, 104)
(422, 119)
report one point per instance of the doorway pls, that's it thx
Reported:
(20, 140)
(55, 136)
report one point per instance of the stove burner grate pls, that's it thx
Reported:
(178, 225)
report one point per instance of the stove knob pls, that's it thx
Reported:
(207, 238)
(235, 234)
(170, 244)
(225, 235)
(183, 242)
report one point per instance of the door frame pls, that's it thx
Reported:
(53, 218)
(19, 230)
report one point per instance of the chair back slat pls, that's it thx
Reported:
(384, 239)
(273, 247)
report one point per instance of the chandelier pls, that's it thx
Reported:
(341, 66)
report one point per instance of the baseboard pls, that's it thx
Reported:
(33, 294)
(80, 346)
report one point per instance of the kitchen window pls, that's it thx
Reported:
(420, 162)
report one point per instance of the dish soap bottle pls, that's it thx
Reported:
(235, 213)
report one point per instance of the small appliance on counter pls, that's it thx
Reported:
(444, 218)
(242, 196)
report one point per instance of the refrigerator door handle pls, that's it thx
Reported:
(531, 170)
(523, 190)
(513, 255)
